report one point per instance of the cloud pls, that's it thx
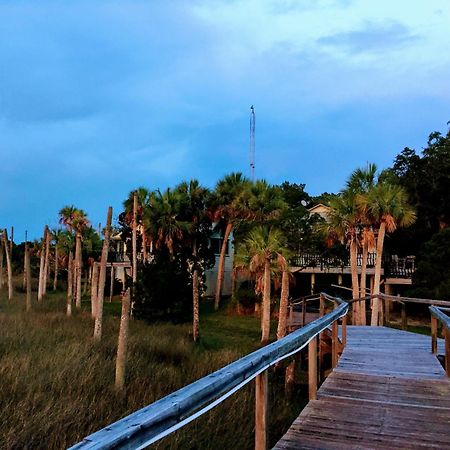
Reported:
(374, 38)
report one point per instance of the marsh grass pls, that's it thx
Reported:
(57, 384)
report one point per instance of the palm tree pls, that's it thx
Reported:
(343, 225)
(193, 199)
(142, 197)
(162, 215)
(228, 207)
(76, 221)
(263, 245)
(265, 201)
(98, 326)
(41, 290)
(283, 265)
(359, 183)
(57, 238)
(8, 264)
(387, 205)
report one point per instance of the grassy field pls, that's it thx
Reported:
(56, 383)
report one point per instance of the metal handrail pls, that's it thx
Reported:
(170, 413)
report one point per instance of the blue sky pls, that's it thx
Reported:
(100, 97)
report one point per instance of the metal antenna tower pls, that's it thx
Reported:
(252, 143)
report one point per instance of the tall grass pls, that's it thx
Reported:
(57, 384)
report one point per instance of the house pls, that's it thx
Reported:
(211, 274)
(320, 209)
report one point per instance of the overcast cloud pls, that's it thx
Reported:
(99, 97)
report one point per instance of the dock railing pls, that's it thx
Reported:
(159, 419)
(438, 313)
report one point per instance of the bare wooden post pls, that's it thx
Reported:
(46, 262)
(134, 236)
(303, 312)
(261, 410)
(434, 326)
(289, 379)
(123, 342)
(70, 270)
(321, 314)
(55, 277)
(42, 266)
(28, 276)
(291, 317)
(344, 330)
(1, 263)
(8, 264)
(387, 309)
(94, 290)
(102, 278)
(447, 351)
(404, 318)
(322, 306)
(312, 368)
(111, 284)
(334, 348)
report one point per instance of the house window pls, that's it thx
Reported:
(216, 245)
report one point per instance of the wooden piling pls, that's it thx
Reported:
(261, 410)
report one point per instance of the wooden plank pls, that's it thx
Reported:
(388, 391)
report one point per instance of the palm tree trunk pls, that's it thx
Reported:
(123, 342)
(8, 264)
(221, 267)
(24, 281)
(28, 276)
(362, 304)
(111, 283)
(94, 290)
(42, 266)
(355, 284)
(11, 243)
(78, 267)
(70, 278)
(282, 315)
(46, 265)
(144, 246)
(195, 296)
(134, 236)
(55, 278)
(102, 278)
(266, 304)
(1, 264)
(377, 279)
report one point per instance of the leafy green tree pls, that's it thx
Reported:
(432, 276)
(425, 178)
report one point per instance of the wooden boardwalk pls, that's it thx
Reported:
(387, 392)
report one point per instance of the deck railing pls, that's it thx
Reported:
(439, 314)
(172, 412)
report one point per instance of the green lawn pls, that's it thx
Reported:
(56, 383)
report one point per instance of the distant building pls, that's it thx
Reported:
(211, 274)
(320, 209)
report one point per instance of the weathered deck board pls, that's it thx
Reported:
(388, 391)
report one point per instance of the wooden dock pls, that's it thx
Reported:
(388, 391)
